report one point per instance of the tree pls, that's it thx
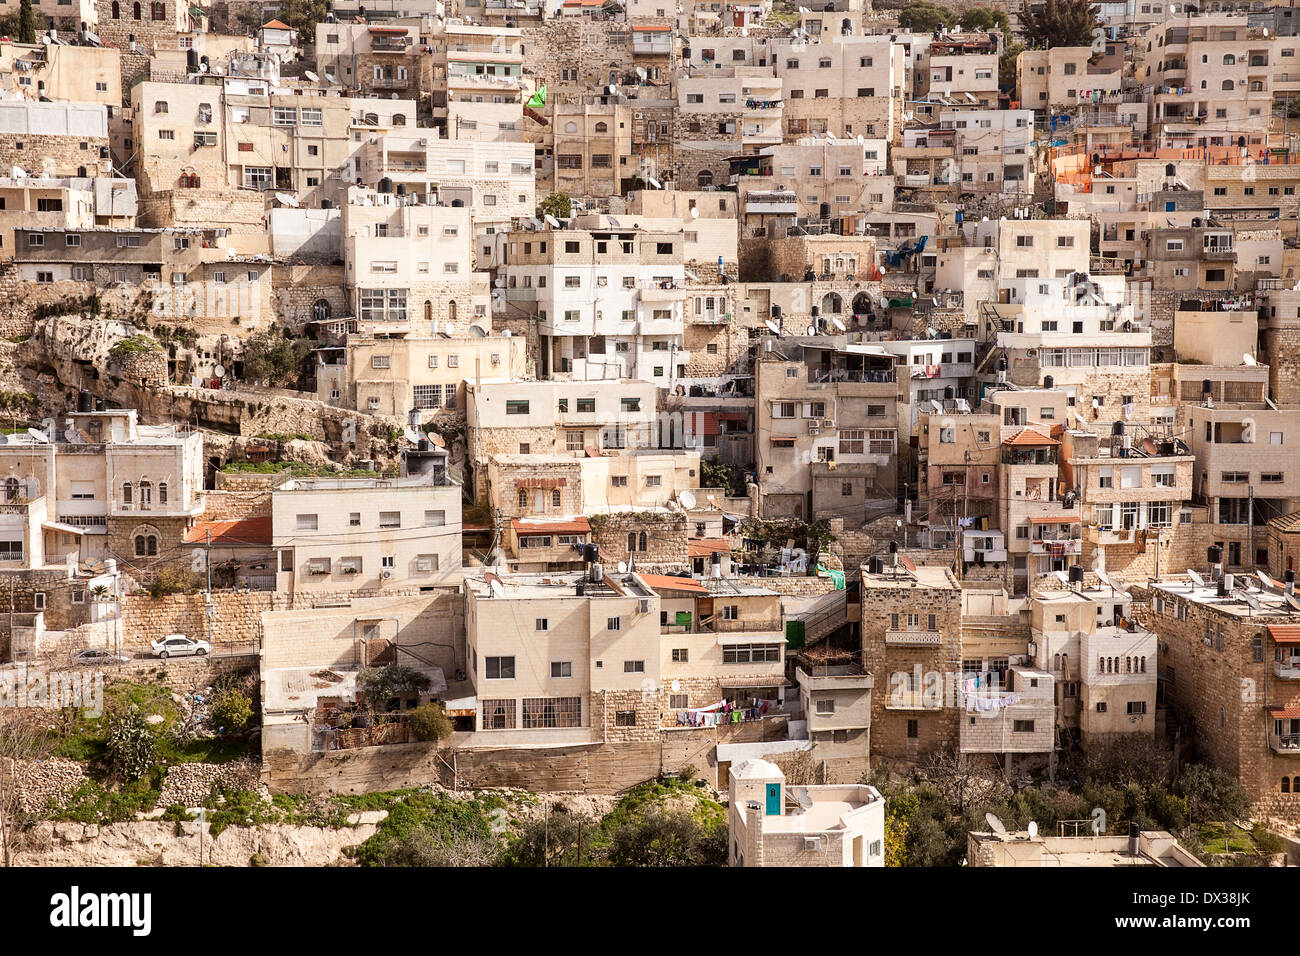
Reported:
(558, 205)
(26, 23)
(923, 16)
(667, 838)
(1058, 23)
(11, 23)
(303, 15)
(1212, 794)
(130, 745)
(381, 684)
(272, 358)
(983, 19)
(714, 473)
(1007, 64)
(552, 840)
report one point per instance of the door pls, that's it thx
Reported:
(773, 800)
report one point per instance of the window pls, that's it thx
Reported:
(499, 714)
(390, 519)
(1022, 726)
(615, 624)
(681, 655)
(561, 668)
(543, 712)
(302, 522)
(517, 407)
(1137, 707)
(634, 667)
(826, 706)
(913, 729)
(499, 668)
(751, 653)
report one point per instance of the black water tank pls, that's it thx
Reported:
(1076, 574)
(1214, 554)
(192, 60)
(893, 547)
(1002, 365)
(1048, 381)
(1206, 386)
(875, 564)
(590, 553)
(776, 313)
(1117, 428)
(1289, 577)
(949, 392)
(85, 401)
(100, 405)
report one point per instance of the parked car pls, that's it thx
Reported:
(178, 645)
(99, 655)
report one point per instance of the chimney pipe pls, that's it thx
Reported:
(1290, 582)
(1134, 838)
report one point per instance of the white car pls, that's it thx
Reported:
(178, 645)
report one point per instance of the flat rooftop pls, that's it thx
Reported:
(1249, 597)
(820, 808)
(921, 575)
(1155, 848)
(533, 587)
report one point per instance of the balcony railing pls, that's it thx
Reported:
(913, 638)
(723, 626)
(1285, 744)
(1287, 669)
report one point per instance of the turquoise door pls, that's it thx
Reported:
(773, 800)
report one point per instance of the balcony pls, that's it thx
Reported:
(723, 626)
(1286, 744)
(911, 700)
(389, 44)
(913, 638)
(1287, 669)
(390, 83)
(1057, 547)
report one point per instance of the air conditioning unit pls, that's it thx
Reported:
(813, 430)
(386, 575)
(828, 423)
(644, 606)
(812, 843)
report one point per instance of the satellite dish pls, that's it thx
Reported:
(640, 72)
(219, 371)
(1062, 577)
(552, 221)
(1248, 359)
(838, 324)
(1265, 581)
(1196, 578)
(772, 327)
(479, 331)
(654, 182)
(811, 330)
(1033, 830)
(39, 435)
(995, 824)
(311, 76)
(613, 90)
(1101, 576)
(622, 567)
(1251, 600)
(695, 214)
(1291, 602)
(687, 499)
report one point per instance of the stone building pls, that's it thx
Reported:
(912, 647)
(1230, 676)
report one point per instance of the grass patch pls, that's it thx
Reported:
(1219, 838)
(93, 802)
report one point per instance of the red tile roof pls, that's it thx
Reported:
(1284, 633)
(1071, 519)
(703, 547)
(1283, 712)
(1028, 436)
(254, 531)
(276, 25)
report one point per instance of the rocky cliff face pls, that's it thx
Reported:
(151, 843)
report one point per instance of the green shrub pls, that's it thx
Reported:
(232, 712)
(430, 722)
(130, 745)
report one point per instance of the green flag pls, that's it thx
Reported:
(538, 99)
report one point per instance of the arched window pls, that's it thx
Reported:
(1229, 60)
(428, 311)
(160, 106)
(555, 497)
(372, 119)
(399, 119)
(190, 181)
(117, 10)
(1144, 665)
(135, 10)
(162, 493)
(523, 499)
(602, 127)
(12, 486)
(451, 310)
(1286, 784)
(1227, 84)
(832, 304)
(126, 493)
(320, 310)
(139, 546)
(151, 542)
(704, 177)
(631, 541)
(570, 127)
(1101, 665)
(642, 542)
(158, 11)
(146, 495)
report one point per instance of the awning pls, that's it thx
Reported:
(728, 638)
(574, 526)
(1284, 633)
(752, 681)
(1070, 519)
(461, 707)
(667, 582)
(1282, 713)
(64, 528)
